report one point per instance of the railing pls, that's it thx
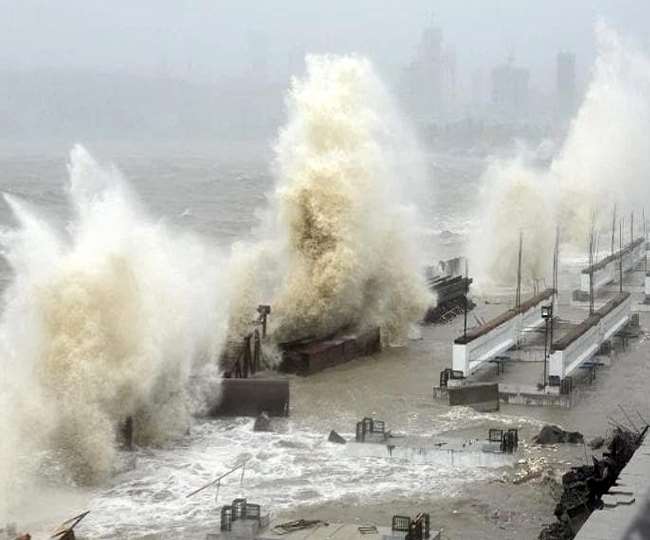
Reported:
(563, 361)
(614, 315)
(508, 439)
(369, 426)
(217, 481)
(601, 276)
(580, 344)
(607, 270)
(240, 509)
(489, 340)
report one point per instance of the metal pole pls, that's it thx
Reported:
(645, 242)
(545, 342)
(465, 303)
(591, 269)
(556, 262)
(620, 258)
(613, 229)
(518, 291)
(217, 481)
(550, 345)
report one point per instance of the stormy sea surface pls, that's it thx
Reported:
(294, 471)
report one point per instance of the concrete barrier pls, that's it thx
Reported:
(615, 314)
(626, 507)
(607, 270)
(487, 341)
(482, 397)
(249, 397)
(581, 343)
(575, 348)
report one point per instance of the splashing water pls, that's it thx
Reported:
(603, 159)
(342, 248)
(99, 324)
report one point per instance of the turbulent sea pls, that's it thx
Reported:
(217, 193)
(126, 267)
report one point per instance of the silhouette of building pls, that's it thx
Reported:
(510, 89)
(430, 78)
(566, 84)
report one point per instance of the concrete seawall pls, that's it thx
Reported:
(626, 511)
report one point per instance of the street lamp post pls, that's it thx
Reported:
(547, 315)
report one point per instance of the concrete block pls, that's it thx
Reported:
(483, 397)
(251, 397)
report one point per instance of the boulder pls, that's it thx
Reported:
(335, 438)
(553, 434)
(262, 423)
(596, 443)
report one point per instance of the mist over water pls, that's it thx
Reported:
(603, 160)
(101, 321)
(340, 250)
(107, 316)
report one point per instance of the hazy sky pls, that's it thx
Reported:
(207, 38)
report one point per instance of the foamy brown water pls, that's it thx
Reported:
(601, 162)
(110, 306)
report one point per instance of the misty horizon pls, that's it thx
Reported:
(177, 70)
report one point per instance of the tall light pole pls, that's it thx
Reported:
(547, 315)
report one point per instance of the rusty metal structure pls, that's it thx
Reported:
(414, 529)
(248, 387)
(507, 439)
(239, 510)
(247, 359)
(65, 531)
(307, 356)
(451, 289)
(369, 428)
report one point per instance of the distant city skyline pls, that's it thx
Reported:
(206, 40)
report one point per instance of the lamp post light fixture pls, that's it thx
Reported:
(547, 315)
(264, 311)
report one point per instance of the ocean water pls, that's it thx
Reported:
(218, 194)
(115, 285)
(218, 190)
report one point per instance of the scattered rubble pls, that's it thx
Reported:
(551, 434)
(531, 468)
(596, 443)
(335, 438)
(262, 423)
(584, 486)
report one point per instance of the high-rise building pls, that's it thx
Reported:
(510, 89)
(566, 84)
(430, 79)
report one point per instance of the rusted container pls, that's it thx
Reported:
(307, 357)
